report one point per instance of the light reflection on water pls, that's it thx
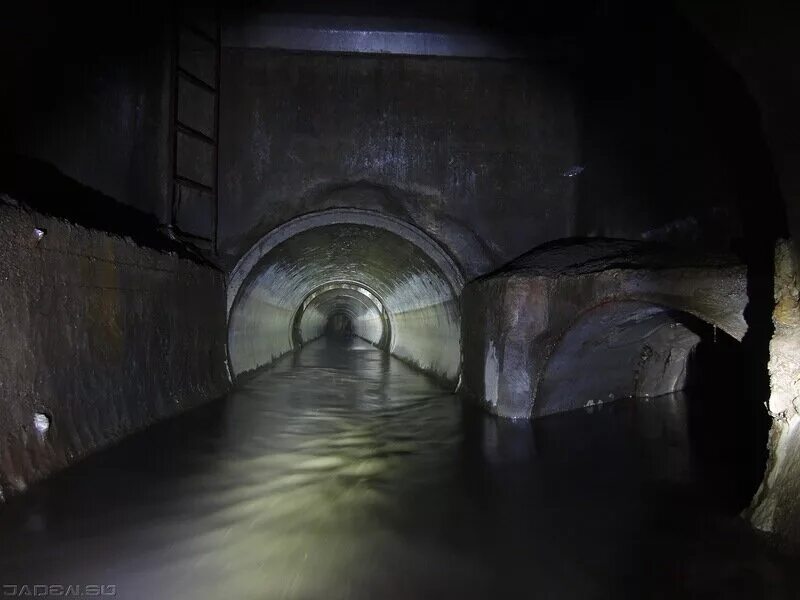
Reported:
(342, 473)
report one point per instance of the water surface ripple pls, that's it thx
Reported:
(342, 473)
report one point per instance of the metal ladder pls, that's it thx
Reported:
(195, 126)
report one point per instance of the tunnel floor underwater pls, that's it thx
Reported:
(340, 472)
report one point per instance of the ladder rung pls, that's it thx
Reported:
(196, 80)
(191, 131)
(193, 184)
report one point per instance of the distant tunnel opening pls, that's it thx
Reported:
(339, 325)
(341, 310)
(372, 279)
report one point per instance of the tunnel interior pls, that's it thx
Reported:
(345, 310)
(382, 287)
(339, 325)
(310, 300)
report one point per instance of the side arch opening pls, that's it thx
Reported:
(681, 381)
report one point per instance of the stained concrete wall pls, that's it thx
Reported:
(86, 94)
(107, 324)
(475, 152)
(449, 145)
(101, 335)
(517, 318)
(618, 350)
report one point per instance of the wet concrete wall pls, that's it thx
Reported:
(100, 337)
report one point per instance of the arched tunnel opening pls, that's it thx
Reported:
(363, 280)
(339, 325)
(680, 380)
(349, 299)
(342, 310)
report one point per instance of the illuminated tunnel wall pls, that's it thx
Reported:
(397, 288)
(361, 308)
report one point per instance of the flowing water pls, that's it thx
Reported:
(342, 473)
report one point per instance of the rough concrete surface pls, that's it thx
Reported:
(460, 148)
(538, 314)
(776, 506)
(617, 350)
(100, 337)
(480, 154)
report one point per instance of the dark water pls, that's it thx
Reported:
(342, 473)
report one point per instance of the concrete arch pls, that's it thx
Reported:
(400, 288)
(338, 216)
(660, 294)
(617, 349)
(517, 316)
(370, 318)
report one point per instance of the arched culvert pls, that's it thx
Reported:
(339, 325)
(686, 378)
(342, 216)
(516, 316)
(621, 350)
(399, 288)
(364, 311)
